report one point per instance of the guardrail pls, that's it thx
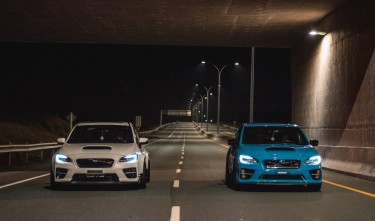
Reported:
(11, 149)
(26, 149)
(154, 130)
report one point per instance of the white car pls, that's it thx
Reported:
(101, 153)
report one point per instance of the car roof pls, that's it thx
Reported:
(269, 125)
(104, 123)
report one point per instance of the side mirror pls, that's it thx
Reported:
(143, 140)
(231, 141)
(61, 140)
(314, 142)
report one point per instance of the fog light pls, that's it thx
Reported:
(61, 173)
(130, 172)
(316, 174)
(246, 173)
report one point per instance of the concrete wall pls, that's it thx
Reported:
(333, 87)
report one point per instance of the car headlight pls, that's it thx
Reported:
(315, 160)
(247, 159)
(61, 158)
(129, 158)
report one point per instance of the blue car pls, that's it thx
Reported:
(273, 154)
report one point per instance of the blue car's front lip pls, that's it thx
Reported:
(282, 176)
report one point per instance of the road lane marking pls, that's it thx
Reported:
(350, 188)
(175, 213)
(178, 171)
(180, 163)
(176, 184)
(23, 181)
(182, 157)
(162, 139)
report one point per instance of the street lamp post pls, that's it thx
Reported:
(219, 71)
(207, 96)
(200, 115)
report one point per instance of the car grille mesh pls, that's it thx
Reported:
(284, 164)
(95, 163)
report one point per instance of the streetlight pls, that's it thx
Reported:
(200, 112)
(207, 96)
(219, 71)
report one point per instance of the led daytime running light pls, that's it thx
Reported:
(129, 159)
(60, 158)
(247, 159)
(315, 160)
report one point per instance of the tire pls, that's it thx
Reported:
(148, 172)
(142, 179)
(233, 183)
(54, 185)
(227, 175)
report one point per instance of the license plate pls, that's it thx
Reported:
(282, 173)
(95, 175)
(94, 171)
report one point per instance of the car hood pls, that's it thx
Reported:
(94, 149)
(278, 151)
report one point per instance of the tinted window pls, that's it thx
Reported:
(101, 134)
(273, 135)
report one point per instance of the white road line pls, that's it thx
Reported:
(23, 181)
(175, 213)
(181, 163)
(178, 171)
(176, 184)
(161, 139)
(182, 157)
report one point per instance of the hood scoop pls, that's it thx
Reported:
(97, 148)
(280, 149)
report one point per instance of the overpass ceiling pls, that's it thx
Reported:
(228, 23)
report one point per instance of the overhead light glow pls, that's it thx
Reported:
(203, 62)
(236, 63)
(317, 33)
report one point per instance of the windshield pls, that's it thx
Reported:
(101, 134)
(273, 135)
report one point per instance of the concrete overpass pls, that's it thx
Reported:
(333, 76)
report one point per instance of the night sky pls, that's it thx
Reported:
(118, 82)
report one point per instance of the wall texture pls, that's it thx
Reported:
(333, 87)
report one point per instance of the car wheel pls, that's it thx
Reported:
(53, 184)
(142, 179)
(227, 175)
(233, 183)
(148, 173)
(314, 187)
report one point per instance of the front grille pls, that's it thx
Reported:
(102, 177)
(284, 164)
(280, 177)
(95, 163)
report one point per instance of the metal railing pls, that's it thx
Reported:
(10, 149)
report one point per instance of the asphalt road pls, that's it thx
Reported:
(187, 183)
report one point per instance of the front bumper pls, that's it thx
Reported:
(257, 174)
(119, 173)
